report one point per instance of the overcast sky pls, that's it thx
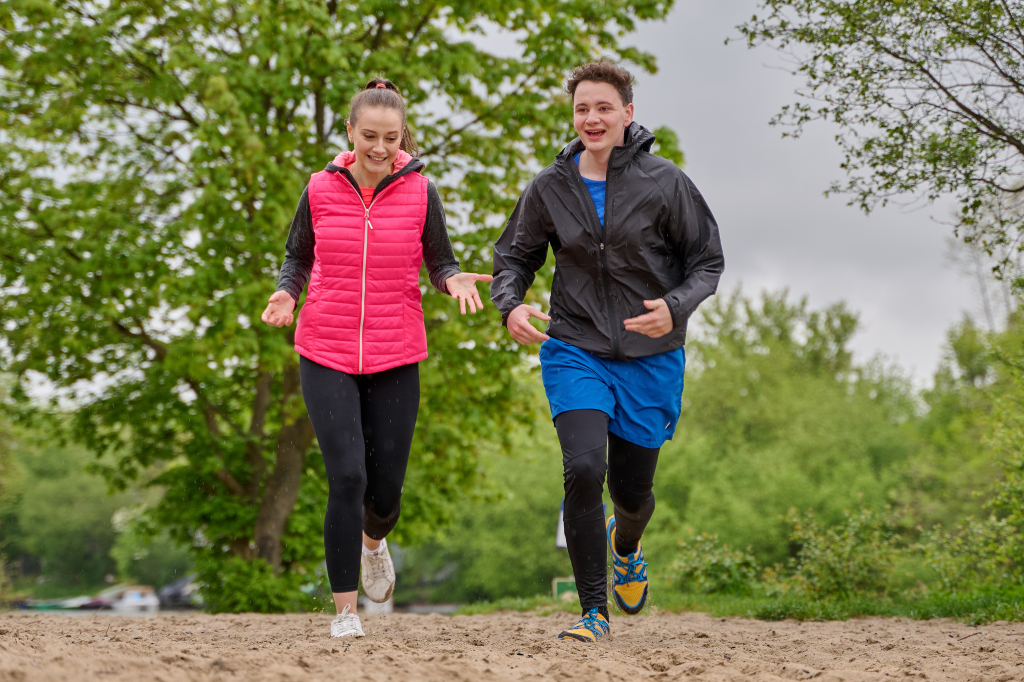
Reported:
(778, 230)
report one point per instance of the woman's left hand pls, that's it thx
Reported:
(463, 287)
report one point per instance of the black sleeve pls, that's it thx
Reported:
(520, 252)
(299, 251)
(437, 248)
(695, 233)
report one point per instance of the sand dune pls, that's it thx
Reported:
(503, 646)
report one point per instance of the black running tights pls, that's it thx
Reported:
(630, 468)
(364, 425)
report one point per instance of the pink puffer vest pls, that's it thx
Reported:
(362, 312)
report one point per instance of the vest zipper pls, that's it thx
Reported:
(367, 227)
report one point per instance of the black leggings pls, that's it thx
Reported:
(364, 425)
(630, 467)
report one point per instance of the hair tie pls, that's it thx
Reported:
(382, 86)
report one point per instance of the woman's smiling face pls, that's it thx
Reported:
(599, 116)
(376, 138)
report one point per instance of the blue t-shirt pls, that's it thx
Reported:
(596, 189)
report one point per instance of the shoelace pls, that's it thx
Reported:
(346, 621)
(590, 622)
(378, 567)
(637, 568)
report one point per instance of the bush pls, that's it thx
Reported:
(236, 585)
(853, 558)
(990, 553)
(6, 593)
(705, 567)
(979, 554)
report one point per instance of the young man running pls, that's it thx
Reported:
(636, 251)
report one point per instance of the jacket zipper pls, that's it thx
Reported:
(603, 258)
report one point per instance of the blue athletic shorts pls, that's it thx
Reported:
(642, 397)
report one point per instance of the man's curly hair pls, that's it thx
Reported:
(602, 72)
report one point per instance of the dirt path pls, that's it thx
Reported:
(503, 646)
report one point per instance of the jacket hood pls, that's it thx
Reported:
(637, 139)
(403, 162)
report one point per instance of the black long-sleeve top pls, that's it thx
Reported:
(300, 255)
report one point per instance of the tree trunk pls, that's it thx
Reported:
(282, 489)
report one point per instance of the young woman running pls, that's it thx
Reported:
(363, 228)
(636, 250)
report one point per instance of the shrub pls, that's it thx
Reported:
(6, 593)
(978, 554)
(853, 558)
(235, 585)
(705, 567)
(990, 553)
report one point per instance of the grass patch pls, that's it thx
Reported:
(974, 608)
(542, 604)
(29, 588)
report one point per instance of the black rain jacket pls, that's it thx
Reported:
(659, 240)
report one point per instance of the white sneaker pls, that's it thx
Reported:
(378, 574)
(347, 625)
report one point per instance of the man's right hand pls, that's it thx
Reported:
(519, 326)
(279, 310)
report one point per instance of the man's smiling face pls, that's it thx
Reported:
(599, 116)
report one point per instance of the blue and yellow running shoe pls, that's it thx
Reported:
(629, 577)
(592, 627)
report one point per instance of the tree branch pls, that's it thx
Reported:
(225, 477)
(212, 409)
(419, 27)
(146, 339)
(986, 122)
(439, 146)
(1013, 22)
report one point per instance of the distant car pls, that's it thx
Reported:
(75, 602)
(138, 597)
(106, 598)
(183, 593)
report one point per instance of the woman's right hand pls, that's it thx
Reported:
(279, 310)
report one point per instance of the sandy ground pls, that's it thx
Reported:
(503, 646)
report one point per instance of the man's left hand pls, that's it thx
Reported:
(654, 324)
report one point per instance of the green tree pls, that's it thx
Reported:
(944, 481)
(503, 545)
(144, 553)
(66, 522)
(776, 414)
(151, 156)
(927, 95)
(986, 548)
(55, 516)
(9, 476)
